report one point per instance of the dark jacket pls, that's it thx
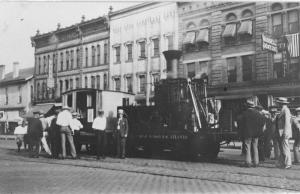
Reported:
(54, 129)
(35, 127)
(123, 127)
(253, 123)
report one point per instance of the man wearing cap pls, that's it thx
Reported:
(284, 132)
(253, 123)
(271, 129)
(99, 126)
(45, 133)
(64, 118)
(296, 135)
(122, 132)
(35, 133)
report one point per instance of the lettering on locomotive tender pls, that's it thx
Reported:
(171, 137)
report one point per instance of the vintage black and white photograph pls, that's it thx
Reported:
(149, 97)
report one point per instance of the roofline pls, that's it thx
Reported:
(134, 7)
(15, 81)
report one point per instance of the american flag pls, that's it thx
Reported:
(293, 44)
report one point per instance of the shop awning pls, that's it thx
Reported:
(202, 36)
(189, 38)
(245, 28)
(229, 31)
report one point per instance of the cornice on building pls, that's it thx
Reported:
(132, 8)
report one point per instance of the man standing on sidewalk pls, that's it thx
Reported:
(284, 133)
(35, 133)
(45, 134)
(64, 119)
(253, 123)
(99, 126)
(122, 132)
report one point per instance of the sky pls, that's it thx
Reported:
(19, 20)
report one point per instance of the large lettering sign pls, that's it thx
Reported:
(269, 43)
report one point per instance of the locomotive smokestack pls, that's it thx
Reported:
(172, 58)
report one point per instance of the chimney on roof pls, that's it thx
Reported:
(58, 26)
(15, 69)
(2, 71)
(82, 18)
(110, 9)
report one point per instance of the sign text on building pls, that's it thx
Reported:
(269, 43)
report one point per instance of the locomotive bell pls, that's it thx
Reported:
(172, 58)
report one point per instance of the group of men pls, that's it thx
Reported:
(260, 128)
(51, 133)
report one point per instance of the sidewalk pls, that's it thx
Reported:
(225, 169)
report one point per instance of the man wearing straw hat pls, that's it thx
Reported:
(64, 119)
(284, 132)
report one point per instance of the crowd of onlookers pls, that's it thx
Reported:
(261, 130)
(56, 132)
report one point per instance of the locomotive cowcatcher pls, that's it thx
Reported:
(179, 120)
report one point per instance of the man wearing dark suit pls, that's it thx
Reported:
(121, 134)
(253, 123)
(54, 135)
(35, 133)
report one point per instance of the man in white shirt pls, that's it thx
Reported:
(45, 133)
(99, 126)
(75, 124)
(64, 119)
(20, 131)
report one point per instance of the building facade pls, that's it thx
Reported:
(16, 94)
(138, 36)
(72, 57)
(224, 41)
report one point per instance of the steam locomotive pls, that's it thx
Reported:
(179, 120)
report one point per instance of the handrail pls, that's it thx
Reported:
(194, 103)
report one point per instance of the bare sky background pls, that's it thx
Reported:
(20, 20)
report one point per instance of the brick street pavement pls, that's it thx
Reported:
(223, 172)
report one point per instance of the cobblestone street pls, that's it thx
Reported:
(20, 174)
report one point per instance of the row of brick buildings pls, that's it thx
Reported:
(123, 50)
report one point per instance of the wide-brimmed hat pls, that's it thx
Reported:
(121, 111)
(65, 108)
(74, 113)
(273, 109)
(100, 111)
(250, 103)
(282, 100)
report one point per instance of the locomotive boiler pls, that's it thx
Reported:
(179, 120)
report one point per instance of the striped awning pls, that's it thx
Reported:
(189, 38)
(245, 28)
(202, 36)
(229, 31)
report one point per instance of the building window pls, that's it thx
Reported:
(277, 25)
(86, 57)
(45, 64)
(93, 56)
(67, 85)
(117, 84)
(98, 54)
(278, 66)
(40, 66)
(247, 63)
(38, 91)
(155, 79)
(293, 21)
(117, 52)
(142, 49)
(6, 96)
(128, 84)
(86, 82)
(155, 47)
(142, 83)
(105, 82)
(61, 85)
(129, 52)
(170, 42)
(77, 83)
(61, 61)
(71, 84)
(232, 69)
(31, 93)
(48, 63)
(67, 60)
(72, 60)
(98, 81)
(54, 63)
(93, 81)
(77, 58)
(105, 53)
(191, 70)
(44, 90)
(20, 94)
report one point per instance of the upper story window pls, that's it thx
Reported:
(77, 58)
(142, 83)
(190, 25)
(71, 84)
(117, 84)
(20, 94)
(54, 63)
(67, 60)
(191, 70)
(72, 60)
(276, 7)
(40, 66)
(61, 85)
(105, 81)
(231, 17)
(98, 81)
(105, 53)
(142, 49)
(93, 56)
(155, 79)
(93, 81)
(6, 96)
(45, 64)
(86, 82)
(247, 13)
(67, 84)
(170, 42)
(293, 21)
(204, 22)
(155, 47)
(128, 80)
(98, 54)
(38, 91)
(232, 69)
(77, 82)
(247, 64)
(117, 54)
(202, 39)
(129, 52)
(277, 27)
(86, 57)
